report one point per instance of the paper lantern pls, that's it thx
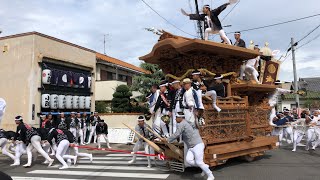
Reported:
(54, 101)
(69, 101)
(61, 101)
(45, 101)
(75, 102)
(88, 102)
(46, 76)
(82, 100)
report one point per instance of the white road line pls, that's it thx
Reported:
(122, 155)
(38, 178)
(102, 174)
(133, 168)
(110, 162)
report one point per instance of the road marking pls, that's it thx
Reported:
(38, 178)
(115, 158)
(101, 174)
(123, 155)
(133, 168)
(110, 162)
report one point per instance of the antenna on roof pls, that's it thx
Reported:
(104, 43)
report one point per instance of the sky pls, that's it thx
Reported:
(85, 22)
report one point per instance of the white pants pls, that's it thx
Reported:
(3, 144)
(195, 158)
(82, 135)
(213, 95)
(297, 137)
(212, 31)
(311, 136)
(92, 133)
(74, 132)
(21, 148)
(61, 151)
(288, 131)
(105, 138)
(173, 123)
(147, 150)
(317, 133)
(250, 72)
(158, 125)
(35, 143)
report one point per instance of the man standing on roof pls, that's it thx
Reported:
(239, 42)
(212, 23)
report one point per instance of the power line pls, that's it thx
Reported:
(309, 41)
(309, 33)
(230, 11)
(166, 19)
(276, 24)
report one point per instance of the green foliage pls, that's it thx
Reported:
(143, 82)
(101, 107)
(121, 99)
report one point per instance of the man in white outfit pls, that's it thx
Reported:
(194, 143)
(189, 103)
(250, 68)
(102, 132)
(3, 144)
(300, 130)
(176, 105)
(315, 123)
(212, 23)
(141, 128)
(93, 124)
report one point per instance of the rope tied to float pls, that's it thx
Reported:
(160, 156)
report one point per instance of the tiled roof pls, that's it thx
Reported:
(310, 95)
(310, 84)
(119, 62)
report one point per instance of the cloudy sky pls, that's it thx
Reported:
(84, 22)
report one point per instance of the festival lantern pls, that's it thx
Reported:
(88, 102)
(45, 101)
(75, 102)
(54, 101)
(82, 100)
(61, 101)
(69, 101)
(46, 76)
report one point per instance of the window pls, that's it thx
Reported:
(111, 76)
(122, 78)
(103, 75)
(129, 80)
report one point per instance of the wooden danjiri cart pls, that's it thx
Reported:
(242, 128)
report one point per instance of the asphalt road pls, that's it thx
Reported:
(280, 164)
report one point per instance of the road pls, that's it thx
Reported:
(274, 165)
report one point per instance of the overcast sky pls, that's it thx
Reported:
(84, 22)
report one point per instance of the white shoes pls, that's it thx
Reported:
(216, 108)
(27, 165)
(109, 147)
(15, 163)
(211, 177)
(64, 167)
(50, 162)
(46, 162)
(203, 174)
(149, 166)
(294, 150)
(132, 161)
(75, 160)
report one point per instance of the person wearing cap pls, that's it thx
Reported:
(250, 68)
(200, 86)
(238, 41)
(176, 104)
(273, 99)
(94, 120)
(102, 132)
(30, 137)
(189, 102)
(194, 144)
(61, 140)
(3, 144)
(161, 109)
(141, 128)
(212, 24)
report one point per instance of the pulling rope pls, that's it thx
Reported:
(160, 156)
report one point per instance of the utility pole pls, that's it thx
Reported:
(199, 22)
(295, 72)
(104, 44)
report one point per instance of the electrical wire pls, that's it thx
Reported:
(166, 19)
(276, 24)
(308, 42)
(309, 33)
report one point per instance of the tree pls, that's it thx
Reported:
(143, 82)
(101, 107)
(121, 99)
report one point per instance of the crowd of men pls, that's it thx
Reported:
(293, 127)
(61, 136)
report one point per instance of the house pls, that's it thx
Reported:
(310, 100)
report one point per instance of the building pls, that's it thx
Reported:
(38, 71)
(110, 73)
(310, 100)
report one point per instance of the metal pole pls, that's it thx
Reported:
(104, 44)
(199, 22)
(295, 72)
